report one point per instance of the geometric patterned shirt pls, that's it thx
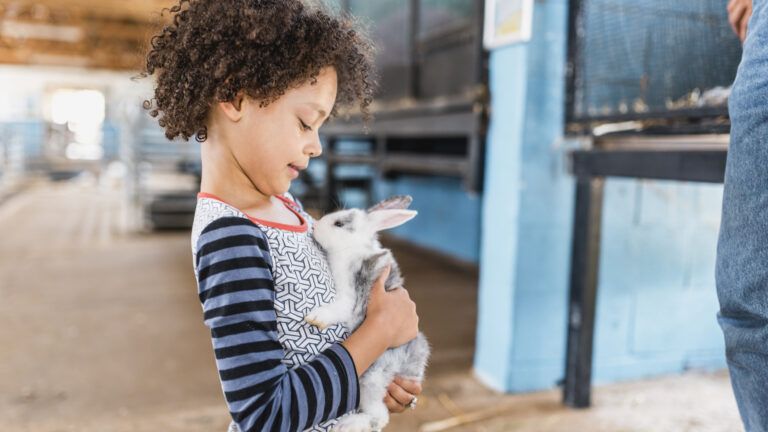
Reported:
(257, 280)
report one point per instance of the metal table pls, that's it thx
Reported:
(682, 158)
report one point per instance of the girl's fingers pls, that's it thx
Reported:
(399, 394)
(410, 386)
(381, 281)
(377, 289)
(392, 405)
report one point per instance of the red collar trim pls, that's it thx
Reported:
(290, 205)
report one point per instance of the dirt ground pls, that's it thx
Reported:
(102, 331)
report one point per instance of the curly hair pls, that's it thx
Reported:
(213, 49)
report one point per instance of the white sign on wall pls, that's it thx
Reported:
(506, 22)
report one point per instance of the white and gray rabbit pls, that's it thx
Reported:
(356, 258)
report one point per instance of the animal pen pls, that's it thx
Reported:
(647, 88)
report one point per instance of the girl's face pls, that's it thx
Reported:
(275, 142)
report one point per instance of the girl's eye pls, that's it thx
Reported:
(338, 224)
(304, 126)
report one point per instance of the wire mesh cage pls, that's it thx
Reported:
(426, 48)
(644, 59)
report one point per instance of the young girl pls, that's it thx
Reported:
(253, 81)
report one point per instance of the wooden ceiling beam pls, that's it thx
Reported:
(134, 10)
(124, 62)
(40, 33)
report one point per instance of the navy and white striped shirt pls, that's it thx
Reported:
(256, 281)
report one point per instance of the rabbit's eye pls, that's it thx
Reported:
(338, 224)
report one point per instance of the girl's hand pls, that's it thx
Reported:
(393, 312)
(400, 393)
(739, 12)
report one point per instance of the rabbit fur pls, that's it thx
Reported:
(356, 258)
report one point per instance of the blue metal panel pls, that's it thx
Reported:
(448, 220)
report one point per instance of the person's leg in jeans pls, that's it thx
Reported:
(742, 255)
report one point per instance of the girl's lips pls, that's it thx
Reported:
(294, 171)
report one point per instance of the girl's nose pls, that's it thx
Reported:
(314, 148)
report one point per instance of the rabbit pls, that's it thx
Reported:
(356, 258)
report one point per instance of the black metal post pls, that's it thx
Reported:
(585, 256)
(575, 24)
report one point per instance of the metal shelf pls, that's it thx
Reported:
(412, 122)
(433, 165)
(459, 118)
(437, 97)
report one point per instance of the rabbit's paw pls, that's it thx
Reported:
(323, 317)
(378, 414)
(354, 423)
(378, 422)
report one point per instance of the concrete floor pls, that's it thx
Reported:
(102, 331)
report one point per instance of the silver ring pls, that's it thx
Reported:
(412, 403)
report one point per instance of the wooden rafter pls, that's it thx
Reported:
(109, 34)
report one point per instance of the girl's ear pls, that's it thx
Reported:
(233, 109)
(386, 219)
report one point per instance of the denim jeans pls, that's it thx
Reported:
(742, 253)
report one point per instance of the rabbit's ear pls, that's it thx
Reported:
(386, 219)
(394, 202)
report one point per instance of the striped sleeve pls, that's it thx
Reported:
(237, 293)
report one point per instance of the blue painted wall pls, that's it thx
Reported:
(657, 304)
(448, 220)
(526, 213)
(449, 217)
